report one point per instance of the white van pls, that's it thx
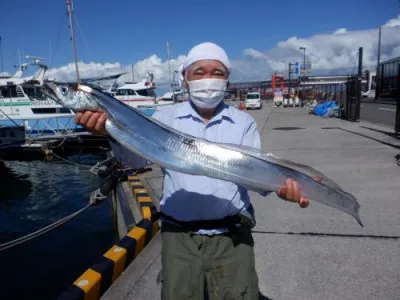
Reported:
(253, 100)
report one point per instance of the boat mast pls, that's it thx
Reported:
(71, 27)
(1, 56)
(169, 67)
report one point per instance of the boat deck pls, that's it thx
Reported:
(318, 252)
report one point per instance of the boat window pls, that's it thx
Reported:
(50, 110)
(122, 92)
(34, 93)
(131, 92)
(146, 92)
(9, 91)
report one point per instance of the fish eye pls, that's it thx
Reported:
(64, 89)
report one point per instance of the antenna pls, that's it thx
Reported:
(35, 59)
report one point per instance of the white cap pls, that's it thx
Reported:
(206, 50)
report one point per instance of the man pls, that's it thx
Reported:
(206, 222)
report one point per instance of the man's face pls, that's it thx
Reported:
(203, 69)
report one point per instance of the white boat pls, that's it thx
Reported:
(175, 96)
(139, 94)
(22, 102)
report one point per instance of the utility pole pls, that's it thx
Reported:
(290, 76)
(304, 60)
(377, 76)
(69, 7)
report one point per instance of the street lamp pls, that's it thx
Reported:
(304, 49)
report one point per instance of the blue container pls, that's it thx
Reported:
(147, 110)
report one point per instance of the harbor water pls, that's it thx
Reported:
(33, 195)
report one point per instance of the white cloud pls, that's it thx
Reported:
(68, 72)
(393, 22)
(329, 53)
(340, 31)
(141, 69)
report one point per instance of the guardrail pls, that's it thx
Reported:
(93, 283)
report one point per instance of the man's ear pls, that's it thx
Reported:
(184, 81)
(185, 84)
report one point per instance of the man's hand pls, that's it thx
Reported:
(94, 122)
(291, 192)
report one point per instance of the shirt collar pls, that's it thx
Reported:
(222, 112)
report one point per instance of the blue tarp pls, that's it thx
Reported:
(323, 108)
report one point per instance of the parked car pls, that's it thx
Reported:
(287, 102)
(368, 94)
(278, 100)
(253, 100)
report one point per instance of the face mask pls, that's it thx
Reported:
(207, 93)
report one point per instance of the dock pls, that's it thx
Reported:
(38, 147)
(317, 252)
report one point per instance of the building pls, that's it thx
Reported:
(387, 81)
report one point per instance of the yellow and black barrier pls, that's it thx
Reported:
(93, 283)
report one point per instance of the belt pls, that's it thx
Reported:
(170, 224)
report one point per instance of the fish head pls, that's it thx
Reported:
(70, 96)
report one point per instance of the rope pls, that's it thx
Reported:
(61, 143)
(95, 198)
(71, 162)
(9, 118)
(42, 231)
(101, 165)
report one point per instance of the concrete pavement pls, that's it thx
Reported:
(318, 252)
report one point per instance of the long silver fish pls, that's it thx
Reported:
(175, 150)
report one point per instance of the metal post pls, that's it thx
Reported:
(69, 6)
(360, 57)
(378, 76)
(290, 77)
(357, 108)
(397, 125)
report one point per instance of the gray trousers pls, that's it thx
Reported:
(194, 263)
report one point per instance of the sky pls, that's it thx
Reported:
(260, 37)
